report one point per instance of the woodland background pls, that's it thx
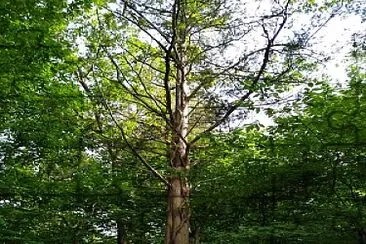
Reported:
(122, 121)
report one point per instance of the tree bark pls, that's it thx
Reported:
(177, 228)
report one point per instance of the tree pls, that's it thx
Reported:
(299, 181)
(52, 188)
(161, 78)
(169, 72)
(39, 130)
(331, 132)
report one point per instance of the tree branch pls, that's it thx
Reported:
(134, 151)
(234, 106)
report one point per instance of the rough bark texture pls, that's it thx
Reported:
(177, 227)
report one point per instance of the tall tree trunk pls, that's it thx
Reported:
(177, 227)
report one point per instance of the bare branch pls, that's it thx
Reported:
(142, 28)
(147, 20)
(234, 106)
(133, 92)
(134, 151)
(139, 78)
(172, 43)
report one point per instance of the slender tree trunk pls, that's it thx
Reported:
(120, 232)
(362, 236)
(196, 236)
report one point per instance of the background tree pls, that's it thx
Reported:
(301, 181)
(40, 133)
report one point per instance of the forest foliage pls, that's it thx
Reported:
(127, 122)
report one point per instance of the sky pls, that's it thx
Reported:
(335, 40)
